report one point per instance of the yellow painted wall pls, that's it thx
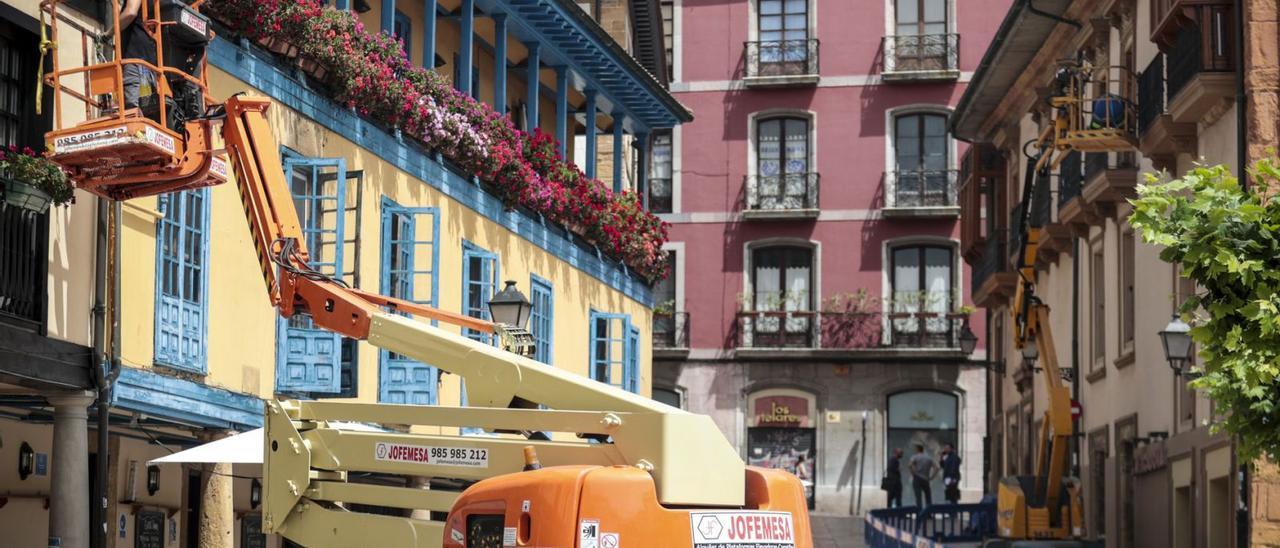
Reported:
(241, 336)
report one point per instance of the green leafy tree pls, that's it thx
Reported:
(1227, 239)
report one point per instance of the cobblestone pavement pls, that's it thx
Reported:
(837, 531)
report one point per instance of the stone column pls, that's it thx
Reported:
(69, 472)
(419, 482)
(217, 511)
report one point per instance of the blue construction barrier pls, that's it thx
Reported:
(937, 526)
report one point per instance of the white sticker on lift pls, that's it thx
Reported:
(439, 456)
(589, 533)
(524, 506)
(609, 540)
(745, 529)
(456, 536)
(159, 139)
(508, 536)
(91, 140)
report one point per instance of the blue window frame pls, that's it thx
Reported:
(182, 276)
(479, 283)
(475, 77)
(308, 358)
(409, 259)
(542, 322)
(403, 29)
(614, 351)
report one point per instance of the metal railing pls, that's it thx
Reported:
(1070, 177)
(660, 195)
(782, 58)
(1041, 202)
(995, 258)
(1201, 46)
(925, 188)
(788, 191)
(1151, 99)
(24, 243)
(777, 329)
(936, 525)
(921, 53)
(671, 330)
(924, 330)
(1095, 163)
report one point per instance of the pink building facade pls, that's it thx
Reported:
(818, 296)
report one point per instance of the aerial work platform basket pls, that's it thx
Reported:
(1093, 110)
(163, 144)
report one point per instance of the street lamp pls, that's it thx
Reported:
(968, 341)
(1176, 338)
(510, 311)
(510, 307)
(1030, 353)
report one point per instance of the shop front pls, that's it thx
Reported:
(782, 434)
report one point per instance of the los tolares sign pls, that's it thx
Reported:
(786, 411)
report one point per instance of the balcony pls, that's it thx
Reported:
(782, 63)
(1159, 137)
(782, 197)
(1109, 179)
(923, 193)
(1199, 77)
(993, 279)
(24, 241)
(671, 332)
(807, 333)
(921, 58)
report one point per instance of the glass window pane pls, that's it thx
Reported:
(908, 11)
(799, 21)
(770, 7)
(770, 23)
(906, 278)
(935, 10)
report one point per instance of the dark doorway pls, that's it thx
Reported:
(790, 449)
(194, 487)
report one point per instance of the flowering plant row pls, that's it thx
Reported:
(369, 72)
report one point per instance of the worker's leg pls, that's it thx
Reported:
(928, 493)
(917, 488)
(895, 497)
(137, 79)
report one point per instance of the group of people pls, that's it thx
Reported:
(923, 469)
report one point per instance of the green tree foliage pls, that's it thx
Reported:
(1227, 239)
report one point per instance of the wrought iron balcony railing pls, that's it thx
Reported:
(995, 258)
(789, 191)
(1070, 177)
(671, 330)
(660, 195)
(24, 245)
(782, 58)
(845, 330)
(1203, 46)
(1151, 98)
(921, 53)
(925, 188)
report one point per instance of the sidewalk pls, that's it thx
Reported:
(837, 531)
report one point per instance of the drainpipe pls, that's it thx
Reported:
(1075, 349)
(1241, 122)
(105, 352)
(987, 449)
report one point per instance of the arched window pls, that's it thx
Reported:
(783, 179)
(922, 160)
(782, 284)
(922, 418)
(783, 27)
(923, 278)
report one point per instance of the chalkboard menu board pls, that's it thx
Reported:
(149, 530)
(251, 532)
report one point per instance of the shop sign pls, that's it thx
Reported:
(1149, 458)
(782, 411)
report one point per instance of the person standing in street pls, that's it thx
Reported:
(950, 474)
(923, 470)
(892, 482)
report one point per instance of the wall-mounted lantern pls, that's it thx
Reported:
(153, 479)
(26, 460)
(255, 493)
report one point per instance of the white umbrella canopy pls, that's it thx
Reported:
(242, 448)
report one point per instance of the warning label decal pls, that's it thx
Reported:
(744, 529)
(438, 456)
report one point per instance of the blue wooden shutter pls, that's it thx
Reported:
(409, 258)
(631, 371)
(182, 253)
(542, 322)
(309, 358)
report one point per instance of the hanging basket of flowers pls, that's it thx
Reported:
(30, 181)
